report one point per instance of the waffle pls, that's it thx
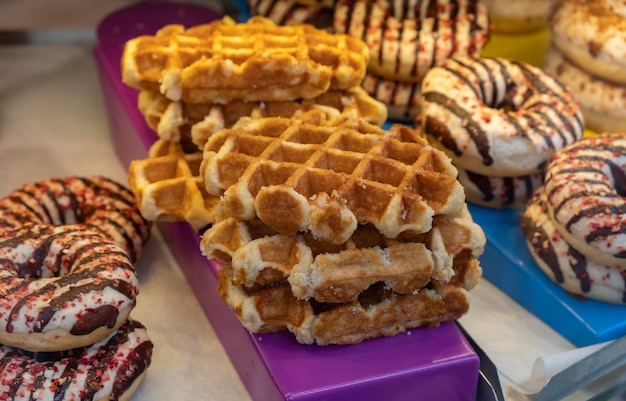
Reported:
(168, 188)
(223, 61)
(369, 287)
(378, 311)
(187, 122)
(339, 273)
(327, 176)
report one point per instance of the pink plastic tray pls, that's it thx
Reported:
(426, 364)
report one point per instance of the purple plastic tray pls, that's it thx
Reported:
(435, 364)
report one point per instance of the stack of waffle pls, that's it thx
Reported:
(197, 81)
(337, 230)
(329, 226)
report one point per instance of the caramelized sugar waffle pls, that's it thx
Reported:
(377, 312)
(185, 122)
(168, 188)
(327, 176)
(339, 273)
(223, 61)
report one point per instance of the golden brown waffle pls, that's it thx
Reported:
(339, 273)
(223, 61)
(168, 188)
(185, 122)
(377, 312)
(327, 176)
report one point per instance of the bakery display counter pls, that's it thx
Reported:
(61, 115)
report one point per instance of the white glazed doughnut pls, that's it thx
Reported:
(406, 38)
(602, 102)
(109, 370)
(62, 287)
(591, 35)
(519, 16)
(563, 264)
(586, 189)
(499, 192)
(498, 117)
(97, 202)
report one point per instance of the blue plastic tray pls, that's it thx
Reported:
(508, 264)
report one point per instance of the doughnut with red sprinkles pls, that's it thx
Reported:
(586, 197)
(109, 370)
(62, 287)
(97, 202)
(498, 117)
(407, 38)
(563, 264)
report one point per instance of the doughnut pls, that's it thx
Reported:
(291, 12)
(406, 38)
(318, 3)
(110, 369)
(497, 117)
(603, 103)
(499, 192)
(562, 263)
(401, 98)
(62, 287)
(97, 202)
(591, 35)
(519, 16)
(585, 185)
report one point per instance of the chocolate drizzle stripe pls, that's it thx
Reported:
(538, 126)
(66, 379)
(123, 357)
(48, 237)
(19, 376)
(509, 193)
(601, 231)
(578, 263)
(383, 30)
(540, 86)
(539, 108)
(18, 198)
(541, 243)
(398, 50)
(528, 185)
(477, 91)
(477, 134)
(128, 241)
(583, 194)
(508, 85)
(483, 183)
(494, 95)
(441, 133)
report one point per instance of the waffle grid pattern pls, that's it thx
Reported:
(167, 186)
(326, 178)
(258, 60)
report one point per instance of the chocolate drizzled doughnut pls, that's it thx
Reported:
(62, 287)
(586, 197)
(499, 192)
(110, 369)
(291, 12)
(407, 38)
(563, 263)
(401, 98)
(97, 202)
(498, 117)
